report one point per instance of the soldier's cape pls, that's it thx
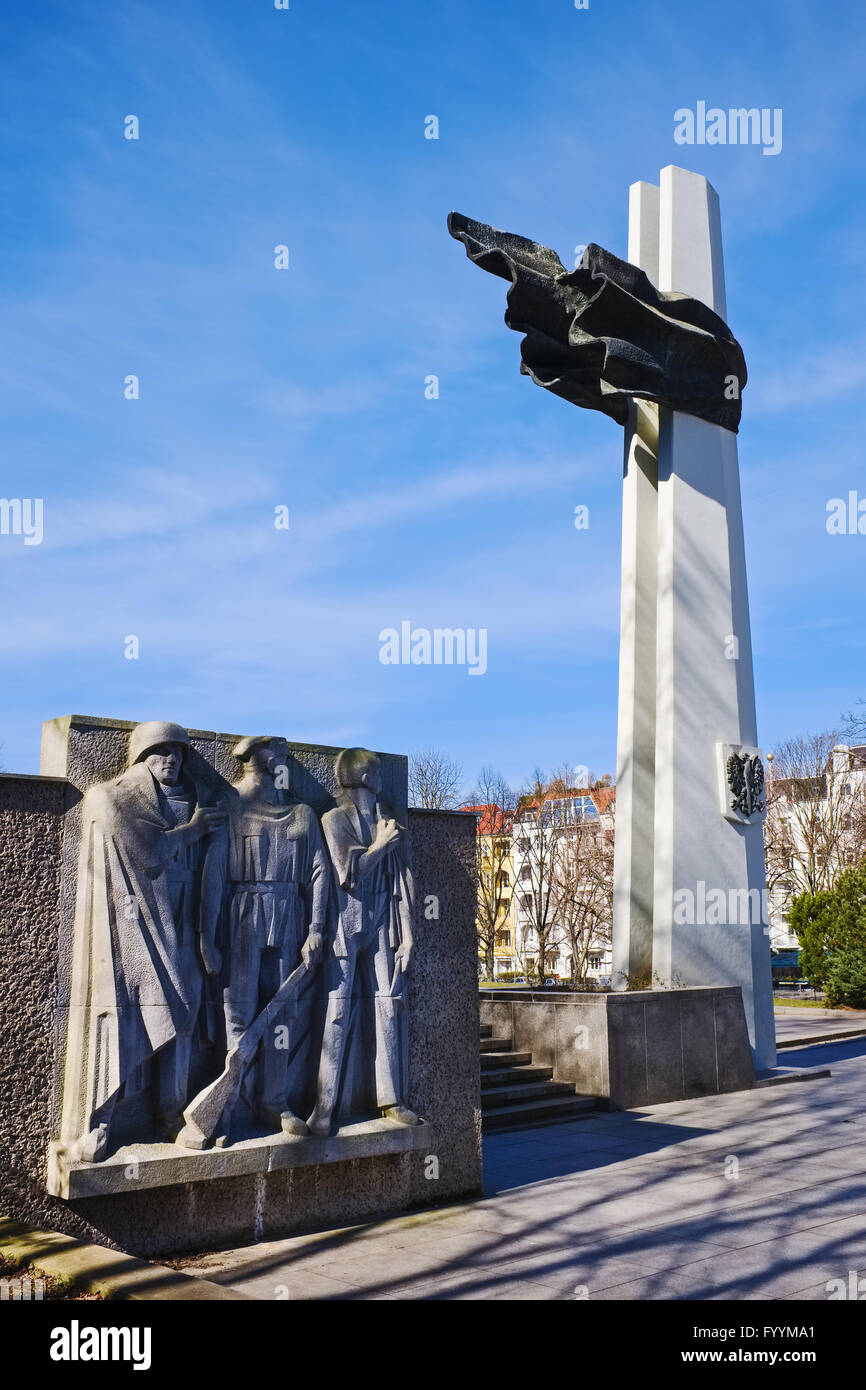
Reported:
(128, 994)
(603, 333)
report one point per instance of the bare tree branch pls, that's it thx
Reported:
(434, 780)
(563, 862)
(855, 722)
(494, 802)
(816, 814)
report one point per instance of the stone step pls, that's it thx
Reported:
(492, 1060)
(543, 1121)
(504, 1076)
(487, 1030)
(495, 1096)
(530, 1112)
(495, 1044)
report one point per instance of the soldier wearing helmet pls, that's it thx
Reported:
(138, 959)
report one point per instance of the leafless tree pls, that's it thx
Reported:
(855, 723)
(537, 849)
(435, 779)
(563, 857)
(816, 814)
(583, 887)
(494, 802)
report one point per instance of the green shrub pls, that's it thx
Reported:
(846, 978)
(831, 927)
(811, 919)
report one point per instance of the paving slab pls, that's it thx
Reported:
(642, 1205)
(803, 1026)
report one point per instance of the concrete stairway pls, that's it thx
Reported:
(515, 1094)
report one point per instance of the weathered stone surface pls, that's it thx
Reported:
(499, 1013)
(210, 920)
(580, 1056)
(665, 1066)
(141, 937)
(701, 1046)
(627, 1047)
(168, 1165)
(368, 960)
(31, 836)
(443, 1042)
(733, 1054)
(86, 749)
(637, 1048)
(445, 1084)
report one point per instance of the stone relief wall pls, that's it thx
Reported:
(258, 1184)
(237, 969)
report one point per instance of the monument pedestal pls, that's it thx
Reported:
(642, 1047)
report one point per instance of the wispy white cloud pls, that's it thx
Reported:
(813, 379)
(260, 127)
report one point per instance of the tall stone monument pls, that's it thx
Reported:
(646, 342)
(687, 694)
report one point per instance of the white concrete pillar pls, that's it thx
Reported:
(633, 849)
(704, 679)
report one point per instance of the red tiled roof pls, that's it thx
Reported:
(491, 818)
(603, 798)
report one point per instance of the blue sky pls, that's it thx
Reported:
(305, 388)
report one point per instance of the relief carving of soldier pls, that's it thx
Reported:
(138, 957)
(276, 877)
(371, 951)
(165, 879)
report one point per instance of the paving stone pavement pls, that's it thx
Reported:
(756, 1195)
(797, 1023)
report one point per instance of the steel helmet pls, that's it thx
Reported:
(145, 737)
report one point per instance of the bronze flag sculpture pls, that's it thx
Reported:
(602, 333)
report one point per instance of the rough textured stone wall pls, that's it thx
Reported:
(443, 1045)
(31, 837)
(443, 1001)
